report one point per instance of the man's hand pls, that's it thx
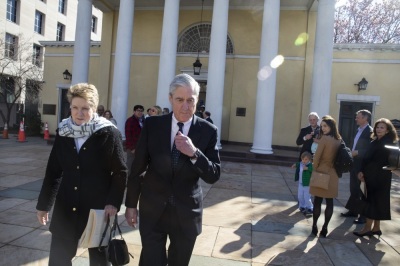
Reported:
(396, 172)
(184, 144)
(354, 153)
(43, 217)
(308, 136)
(361, 176)
(131, 215)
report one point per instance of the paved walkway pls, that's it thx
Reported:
(250, 218)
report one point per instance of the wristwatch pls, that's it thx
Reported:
(195, 155)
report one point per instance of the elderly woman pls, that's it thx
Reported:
(86, 170)
(328, 146)
(378, 181)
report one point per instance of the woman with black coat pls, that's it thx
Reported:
(378, 181)
(86, 170)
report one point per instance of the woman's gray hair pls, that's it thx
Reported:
(184, 80)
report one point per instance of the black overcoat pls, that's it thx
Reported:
(378, 180)
(77, 182)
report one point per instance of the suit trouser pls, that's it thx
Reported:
(62, 251)
(355, 190)
(153, 243)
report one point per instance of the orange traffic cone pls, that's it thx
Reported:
(5, 131)
(21, 133)
(46, 132)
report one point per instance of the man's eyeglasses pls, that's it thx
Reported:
(139, 110)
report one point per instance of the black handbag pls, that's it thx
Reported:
(117, 250)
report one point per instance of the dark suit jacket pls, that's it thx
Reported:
(306, 144)
(209, 120)
(362, 147)
(153, 155)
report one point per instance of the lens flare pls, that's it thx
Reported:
(277, 61)
(264, 73)
(301, 39)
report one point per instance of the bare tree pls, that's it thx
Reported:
(21, 74)
(367, 21)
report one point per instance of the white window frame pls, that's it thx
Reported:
(39, 22)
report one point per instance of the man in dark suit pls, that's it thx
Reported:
(175, 150)
(307, 134)
(207, 116)
(359, 148)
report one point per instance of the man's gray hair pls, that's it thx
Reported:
(313, 114)
(184, 80)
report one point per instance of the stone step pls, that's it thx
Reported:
(240, 153)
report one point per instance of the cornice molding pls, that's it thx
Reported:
(366, 47)
(66, 43)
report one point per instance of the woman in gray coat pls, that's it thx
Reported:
(324, 158)
(86, 170)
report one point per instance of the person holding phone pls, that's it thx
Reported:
(308, 134)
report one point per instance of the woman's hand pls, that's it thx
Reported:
(316, 140)
(109, 211)
(361, 176)
(43, 217)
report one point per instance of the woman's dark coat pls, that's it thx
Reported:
(378, 181)
(77, 182)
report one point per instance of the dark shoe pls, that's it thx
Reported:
(308, 212)
(323, 232)
(378, 233)
(348, 214)
(359, 221)
(314, 230)
(368, 233)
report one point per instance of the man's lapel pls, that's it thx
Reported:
(194, 131)
(165, 147)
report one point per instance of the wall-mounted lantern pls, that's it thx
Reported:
(362, 85)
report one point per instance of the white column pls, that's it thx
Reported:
(122, 64)
(265, 102)
(323, 54)
(216, 67)
(169, 40)
(80, 67)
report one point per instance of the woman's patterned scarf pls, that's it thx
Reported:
(67, 128)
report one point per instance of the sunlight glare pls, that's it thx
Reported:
(264, 73)
(277, 61)
(301, 39)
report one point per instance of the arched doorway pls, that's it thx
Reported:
(195, 40)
